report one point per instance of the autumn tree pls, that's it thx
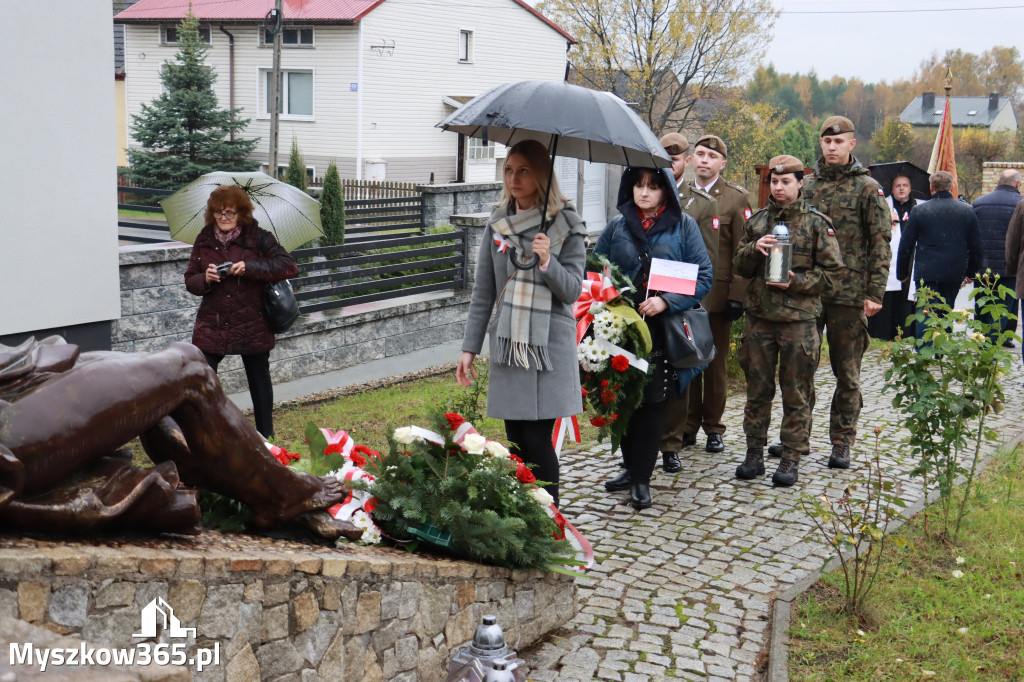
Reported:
(894, 141)
(662, 56)
(975, 146)
(798, 138)
(754, 134)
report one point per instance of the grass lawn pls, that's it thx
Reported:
(924, 622)
(128, 213)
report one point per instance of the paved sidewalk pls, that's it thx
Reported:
(684, 589)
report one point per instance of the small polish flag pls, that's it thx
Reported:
(714, 223)
(673, 276)
(880, 192)
(747, 213)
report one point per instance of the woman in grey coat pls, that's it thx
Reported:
(534, 371)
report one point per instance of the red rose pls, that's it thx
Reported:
(604, 383)
(515, 458)
(613, 416)
(616, 387)
(598, 421)
(620, 363)
(607, 396)
(455, 420)
(524, 474)
(585, 391)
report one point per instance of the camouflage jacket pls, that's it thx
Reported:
(863, 224)
(816, 262)
(697, 204)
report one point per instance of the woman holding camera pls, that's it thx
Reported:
(231, 262)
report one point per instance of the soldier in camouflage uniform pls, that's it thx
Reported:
(781, 326)
(702, 208)
(843, 190)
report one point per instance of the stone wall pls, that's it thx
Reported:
(288, 612)
(990, 173)
(156, 310)
(441, 202)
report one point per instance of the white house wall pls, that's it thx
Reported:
(402, 90)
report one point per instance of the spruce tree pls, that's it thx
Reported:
(295, 174)
(332, 208)
(182, 132)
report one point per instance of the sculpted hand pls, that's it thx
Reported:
(870, 307)
(652, 306)
(464, 368)
(542, 248)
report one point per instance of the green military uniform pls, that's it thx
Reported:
(863, 225)
(780, 329)
(699, 205)
(707, 392)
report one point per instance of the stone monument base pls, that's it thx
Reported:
(269, 609)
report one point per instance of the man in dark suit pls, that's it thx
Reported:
(994, 211)
(944, 233)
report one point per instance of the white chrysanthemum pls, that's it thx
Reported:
(474, 443)
(371, 534)
(590, 356)
(608, 326)
(405, 436)
(496, 449)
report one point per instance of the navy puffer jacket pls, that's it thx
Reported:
(994, 211)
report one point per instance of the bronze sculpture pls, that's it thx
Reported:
(65, 414)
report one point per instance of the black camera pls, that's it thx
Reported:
(224, 269)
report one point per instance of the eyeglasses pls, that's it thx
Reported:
(225, 214)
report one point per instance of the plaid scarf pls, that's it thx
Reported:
(524, 305)
(226, 238)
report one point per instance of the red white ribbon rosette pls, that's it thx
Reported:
(597, 290)
(358, 504)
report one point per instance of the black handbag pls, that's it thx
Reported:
(280, 305)
(688, 339)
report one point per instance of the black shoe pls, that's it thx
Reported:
(689, 439)
(753, 465)
(618, 484)
(775, 450)
(640, 495)
(670, 462)
(786, 474)
(840, 458)
(715, 443)
(1008, 344)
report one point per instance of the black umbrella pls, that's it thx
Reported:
(570, 120)
(885, 173)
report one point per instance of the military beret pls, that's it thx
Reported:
(713, 142)
(786, 164)
(835, 125)
(674, 143)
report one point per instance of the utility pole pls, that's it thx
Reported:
(276, 19)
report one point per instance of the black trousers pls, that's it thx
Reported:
(531, 440)
(641, 440)
(257, 373)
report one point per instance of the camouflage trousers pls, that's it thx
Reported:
(792, 347)
(846, 328)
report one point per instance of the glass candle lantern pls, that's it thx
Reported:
(780, 256)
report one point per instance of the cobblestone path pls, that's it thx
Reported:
(683, 590)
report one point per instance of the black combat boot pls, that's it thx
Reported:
(670, 462)
(715, 443)
(786, 474)
(640, 496)
(618, 484)
(753, 465)
(775, 450)
(840, 458)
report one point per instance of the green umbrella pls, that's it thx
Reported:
(289, 213)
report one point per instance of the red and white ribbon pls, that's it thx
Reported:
(597, 289)
(567, 531)
(565, 426)
(501, 243)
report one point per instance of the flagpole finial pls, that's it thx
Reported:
(949, 80)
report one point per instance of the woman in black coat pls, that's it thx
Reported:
(231, 320)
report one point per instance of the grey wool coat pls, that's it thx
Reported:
(530, 394)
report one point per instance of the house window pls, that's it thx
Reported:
(465, 45)
(296, 94)
(479, 150)
(291, 36)
(282, 169)
(169, 35)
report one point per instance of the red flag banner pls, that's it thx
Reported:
(943, 158)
